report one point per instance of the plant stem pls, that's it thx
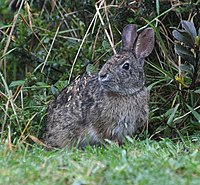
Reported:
(196, 69)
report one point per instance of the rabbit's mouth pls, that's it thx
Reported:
(109, 86)
(112, 87)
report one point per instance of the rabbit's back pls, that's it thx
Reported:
(67, 115)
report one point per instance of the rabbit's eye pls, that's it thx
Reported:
(126, 66)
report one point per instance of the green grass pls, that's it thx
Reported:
(140, 162)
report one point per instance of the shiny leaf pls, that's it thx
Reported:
(186, 68)
(184, 36)
(189, 27)
(184, 53)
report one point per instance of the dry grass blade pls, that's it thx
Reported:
(9, 139)
(103, 24)
(54, 38)
(26, 127)
(36, 140)
(73, 34)
(78, 52)
(109, 25)
(186, 114)
(33, 32)
(10, 37)
(29, 15)
(10, 99)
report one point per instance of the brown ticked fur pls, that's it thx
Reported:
(109, 105)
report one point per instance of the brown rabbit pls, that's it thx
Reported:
(109, 105)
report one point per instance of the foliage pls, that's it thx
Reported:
(46, 44)
(189, 51)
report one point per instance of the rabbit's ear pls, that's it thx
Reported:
(145, 43)
(129, 36)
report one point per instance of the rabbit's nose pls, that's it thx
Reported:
(103, 76)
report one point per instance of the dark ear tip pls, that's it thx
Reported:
(149, 30)
(130, 27)
(129, 36)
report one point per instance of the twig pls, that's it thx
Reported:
(196, 69)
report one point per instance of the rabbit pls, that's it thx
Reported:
(109, 105)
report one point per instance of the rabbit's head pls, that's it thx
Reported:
(124, 72)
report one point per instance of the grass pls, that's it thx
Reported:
(140, 162)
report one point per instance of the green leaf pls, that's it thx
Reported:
(184, 37)
(189, 27)
(185, 53)
(90, 69)
(54, 90)
(105, 45)
(157, 7)
(198, 38)
(186, 68)
(171, 118)
(155, 83)
(195, 113)
(7, 53)
(162, 70)
(42, 84)
(130, 139)
(198, 41)
(17, 83)
(79, 182)
(130, 20)
(197, 91)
